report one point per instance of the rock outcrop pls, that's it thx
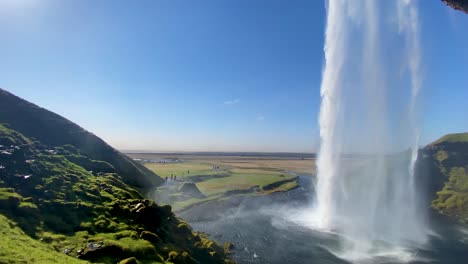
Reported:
(461, 5)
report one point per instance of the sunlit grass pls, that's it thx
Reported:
(223, 177)
(241, 180)
(14, 244)
(182, 169)
(452, 138)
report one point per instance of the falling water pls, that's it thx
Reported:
(369, 126)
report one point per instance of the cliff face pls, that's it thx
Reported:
(54, 130)
(461, 5)
(449, 156)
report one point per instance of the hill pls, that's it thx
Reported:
(452, 138)
(53, 130)
(450, 159)
(61, 204)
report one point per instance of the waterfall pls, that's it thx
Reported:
(369, 126)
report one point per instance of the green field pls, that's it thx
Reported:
(183, 169)
(221, 177)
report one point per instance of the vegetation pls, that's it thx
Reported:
(218, 178)
(452, 138)
(57, 205)
(17, 247)
(450, 155)
(53, 130)
(453, 199)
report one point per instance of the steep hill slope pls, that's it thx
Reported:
(54, 130)
(450, 157)
(49, 201)
(68, 197)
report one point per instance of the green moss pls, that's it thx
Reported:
(9, 199)
(131, 260)
(441, 155)
(17, 247)
(183, 258)
(453, 199)
(126, 233)
(70, 210)
(151, 237)
(136, 247)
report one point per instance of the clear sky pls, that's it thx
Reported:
(205, 75)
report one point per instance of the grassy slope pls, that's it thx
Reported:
(67, 207)
(452, 138)
(450, 153)
(54, 130)
(37, 252)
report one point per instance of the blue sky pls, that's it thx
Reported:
(218, 75)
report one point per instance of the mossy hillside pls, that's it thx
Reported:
(53, 130)
(92, 215)
(18, 247)
(453, 199)
(450, 158)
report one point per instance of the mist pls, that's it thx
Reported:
(370, 104)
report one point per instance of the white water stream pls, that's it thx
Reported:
(369, 128)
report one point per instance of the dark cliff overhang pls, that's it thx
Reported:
(461, 5)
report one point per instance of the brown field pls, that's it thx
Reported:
(299, 166)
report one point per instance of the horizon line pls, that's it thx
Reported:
(129, 151)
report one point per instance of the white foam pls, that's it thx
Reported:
(370, 87)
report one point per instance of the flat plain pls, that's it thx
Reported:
(220, 176)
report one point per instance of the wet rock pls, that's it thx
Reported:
(94, 246)
(461, 5)
(138, 207)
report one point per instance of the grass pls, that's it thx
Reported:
(240, 180)
(301, 167)
(452, 138)
(15, 243)
(183, 169)
(284, 187)
(220, 177)
(63, 206)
